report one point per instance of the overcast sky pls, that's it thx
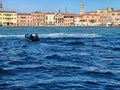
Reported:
(52, 5)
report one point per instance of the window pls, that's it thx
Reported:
(46, 18)
(8, 18)
(113, 14)
(92, 21)
(7, 14)
(23, 17)
(118, 14)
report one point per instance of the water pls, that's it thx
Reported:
(65, 58)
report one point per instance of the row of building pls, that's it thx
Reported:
(101, 17)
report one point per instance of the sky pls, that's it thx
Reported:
(73, 6)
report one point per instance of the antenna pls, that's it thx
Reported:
(66, 11)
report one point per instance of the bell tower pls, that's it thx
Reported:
(1, 8)
(81, 8)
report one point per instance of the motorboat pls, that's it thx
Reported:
(32, 37)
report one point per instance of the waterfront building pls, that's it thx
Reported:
(24, 19)
(77, 20)
(38, 18)
(109, 17)
(103, 16)
(8, 18)
(90, 19)
(50, 19)
(115, 15)
(59, 18)
(69, 19)
(1, 19)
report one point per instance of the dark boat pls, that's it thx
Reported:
(32, 37)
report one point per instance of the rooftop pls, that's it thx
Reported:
(23, 13)
(7, 11)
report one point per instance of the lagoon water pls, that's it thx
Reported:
(65, 58)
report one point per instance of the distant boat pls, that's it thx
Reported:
(32, 37)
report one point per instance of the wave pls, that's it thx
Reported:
(57, 35)
(116, 48)
(5, 72)
(76, 43)
(54, 56)
(4, 36)
(69, 35)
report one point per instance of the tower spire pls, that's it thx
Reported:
(58, 11)
(1, 5)
(66, 11)
(81, 8)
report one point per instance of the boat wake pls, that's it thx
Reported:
(57, 35)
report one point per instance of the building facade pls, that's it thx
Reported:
(91, 19)
(69, 19)
(38, 18)
(8, 18)
(59, 18)
(50, 19)
(24, 19)
(77, 20)
(115, 15)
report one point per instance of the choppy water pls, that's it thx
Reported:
(65, 58)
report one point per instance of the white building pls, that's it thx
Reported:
(49, 19)
(77, 21)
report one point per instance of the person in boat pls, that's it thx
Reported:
(34, 37)
(31, 36)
